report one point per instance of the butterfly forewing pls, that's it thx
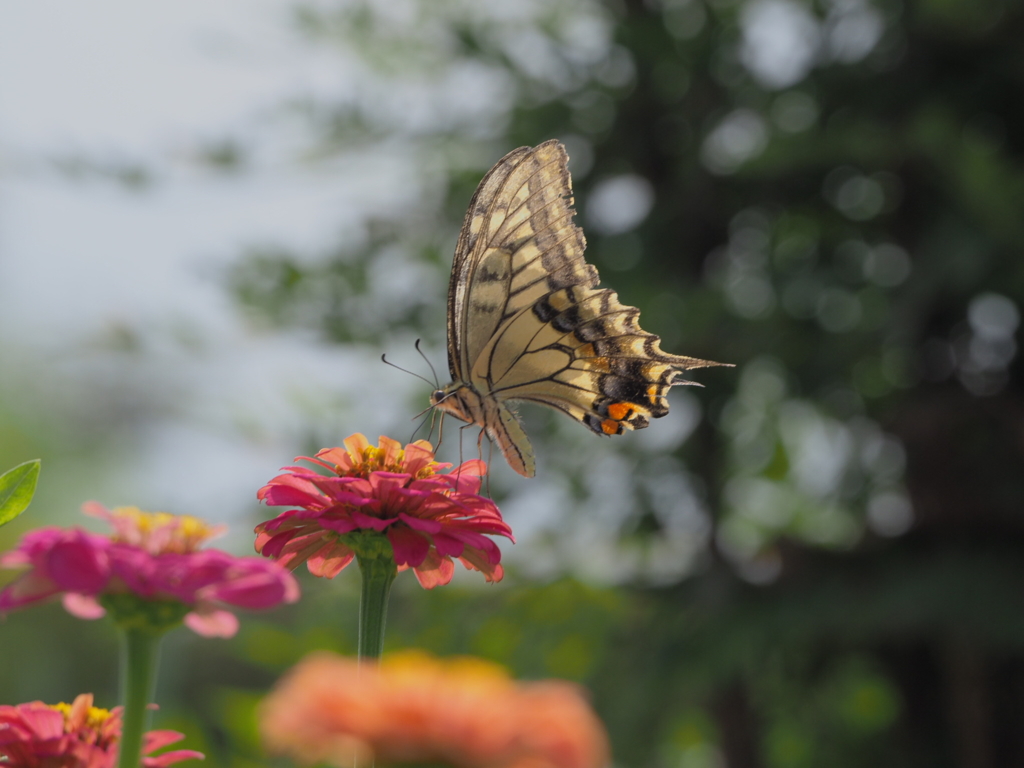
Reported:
(517, 237)
(468, 253)
(526, 321)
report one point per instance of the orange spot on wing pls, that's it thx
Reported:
(610, 427)
(620, 411)
(652, 393)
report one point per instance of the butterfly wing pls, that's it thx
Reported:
(527, 322)
(517, 216)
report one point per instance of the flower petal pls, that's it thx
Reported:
(373, 523)
(78, 563)
(435, 571)
(83, 606)
(154, 740)
(356, 446)
(266, 585)
(410, 547)
(212, 622)
(330, 560)
(421, 524)
(28, 588)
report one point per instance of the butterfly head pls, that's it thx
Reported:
(451, 399)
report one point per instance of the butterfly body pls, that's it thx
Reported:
(526, 321)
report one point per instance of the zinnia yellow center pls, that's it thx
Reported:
(376, 460)
(186, 532)
(94, 718)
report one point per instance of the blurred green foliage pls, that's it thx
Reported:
(828, 568)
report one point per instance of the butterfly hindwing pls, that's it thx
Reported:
(586, 355)
(527, 322)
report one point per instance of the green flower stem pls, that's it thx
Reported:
(379, 571)
(139, 661)
(376, 562)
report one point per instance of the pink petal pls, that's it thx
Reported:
(419, 524)
(83, 606)
(472, 560)
(410, 547)
(324, 461)
(75, 564)
(435, 573)
(28, 588)
(154, 740)
(339, 525)
(330, 560)
(42, 722)
(494, 574)
(296, 493)
(95, 509)
(255, 590)
(212, 622)
(140, 571)
(447, 545)
(14, 559)
(373, 523)
(273, 546)
(302, 548)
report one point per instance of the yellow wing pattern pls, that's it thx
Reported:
(526, 321)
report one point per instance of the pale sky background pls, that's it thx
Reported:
(114, 321)
(84, 260)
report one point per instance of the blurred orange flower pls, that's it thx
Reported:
(415, 708)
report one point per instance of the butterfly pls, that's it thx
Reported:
(526, 321)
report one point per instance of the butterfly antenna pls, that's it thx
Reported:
(437, 384)
(384, 359)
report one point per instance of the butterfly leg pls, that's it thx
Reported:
(440, 425)
(461, 459)
(490, 458)
(480, 456)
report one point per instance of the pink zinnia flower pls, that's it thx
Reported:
(154, 556)
(76, 735)
(428, 517)
(414, 708)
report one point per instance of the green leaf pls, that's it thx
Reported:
(17, 486)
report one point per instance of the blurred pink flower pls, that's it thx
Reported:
(76, 735)
(414, 708)
(427, 517)
(154, 556)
